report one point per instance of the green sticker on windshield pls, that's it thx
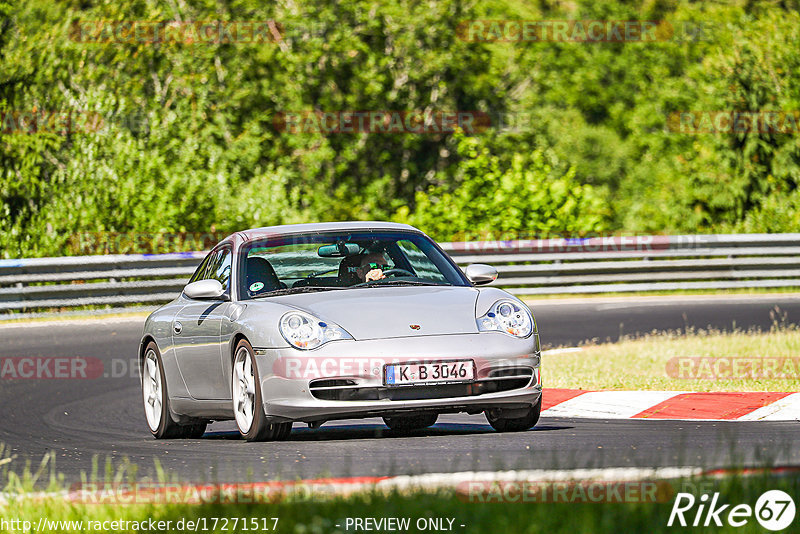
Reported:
(256, 286)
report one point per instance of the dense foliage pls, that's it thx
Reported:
(189, 141)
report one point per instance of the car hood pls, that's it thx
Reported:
(390, 312)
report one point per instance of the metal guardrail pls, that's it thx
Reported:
(527, 267)
(120, 279)
(641, 263)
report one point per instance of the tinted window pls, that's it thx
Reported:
(342, 260)
(200, 271)
(216, 266)
(219, 267)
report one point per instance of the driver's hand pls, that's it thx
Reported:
(374, 274)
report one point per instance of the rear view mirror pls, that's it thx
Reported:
(339, 250)
(480, 273)
(204, 289)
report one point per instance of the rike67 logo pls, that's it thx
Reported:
(774, 510)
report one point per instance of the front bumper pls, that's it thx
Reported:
(344, 379)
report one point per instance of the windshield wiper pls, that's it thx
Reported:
(381, 283)
(296, 290)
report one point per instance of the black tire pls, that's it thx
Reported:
(411, 422)
(285, 429)
(167, 428)
(516, 424)
(260, 428)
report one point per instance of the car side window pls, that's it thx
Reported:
(199, 273)
(219, 267)
(216, 266)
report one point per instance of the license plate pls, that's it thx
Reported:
(408, 374)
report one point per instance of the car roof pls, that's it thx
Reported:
(272, 231)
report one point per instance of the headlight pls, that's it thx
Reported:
(509, 317)
(304, 331)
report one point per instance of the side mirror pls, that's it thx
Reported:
(480, 273)
(204, 289)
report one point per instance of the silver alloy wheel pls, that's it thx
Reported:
(244, 390)
(151, 390)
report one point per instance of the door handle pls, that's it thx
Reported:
(177, 327)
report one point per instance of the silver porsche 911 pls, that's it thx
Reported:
(315, 322)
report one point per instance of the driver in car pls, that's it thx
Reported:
(372, 267)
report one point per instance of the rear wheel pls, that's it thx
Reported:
(248, 407)
(156, 401)
(500, 420)
(411, 422)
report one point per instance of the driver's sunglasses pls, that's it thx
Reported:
(381, 266)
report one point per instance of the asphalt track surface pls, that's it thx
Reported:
(82, 419)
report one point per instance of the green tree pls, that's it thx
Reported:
(532, 195)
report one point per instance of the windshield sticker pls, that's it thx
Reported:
(256, 286)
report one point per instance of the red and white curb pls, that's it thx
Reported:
(676, 405)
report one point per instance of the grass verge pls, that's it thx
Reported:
(493, 511)
(691, 361)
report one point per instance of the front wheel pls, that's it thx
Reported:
(156, 401)
(248, 407)
(517, 423)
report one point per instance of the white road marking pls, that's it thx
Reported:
(435, 481)
(56, 322)
(660, 300)
(562, 350)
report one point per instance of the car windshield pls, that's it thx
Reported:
(336, 261)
